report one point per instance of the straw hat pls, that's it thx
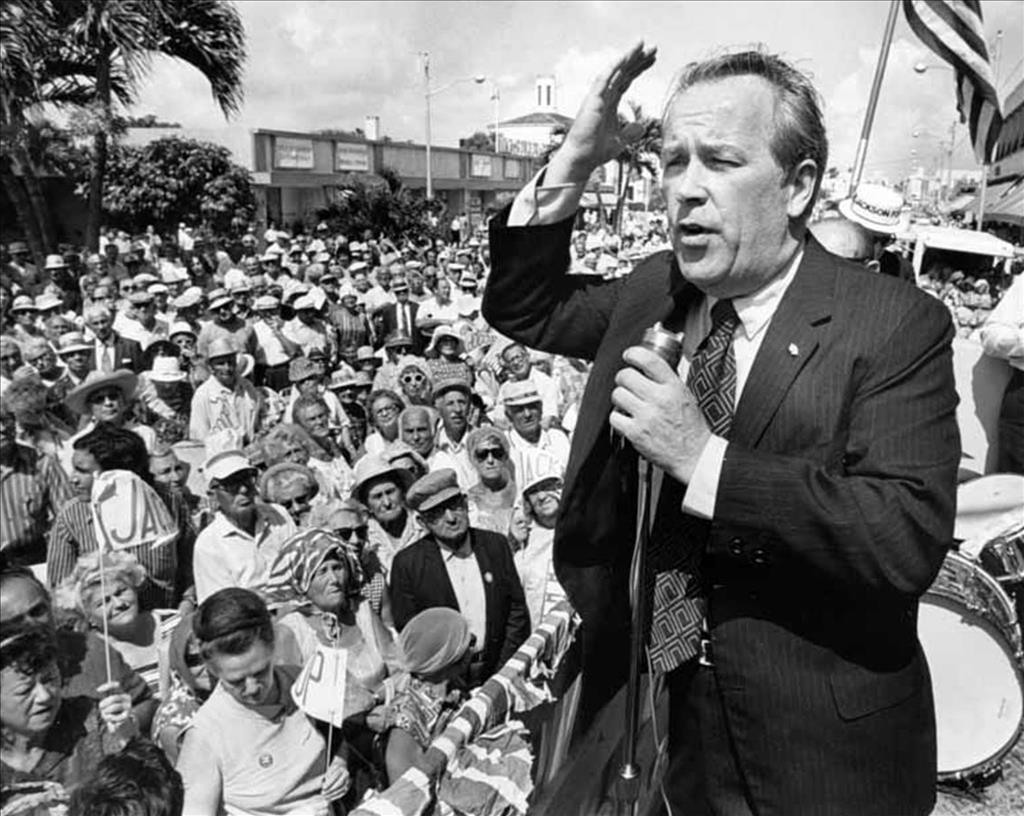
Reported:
(371, 467)
(78, 398)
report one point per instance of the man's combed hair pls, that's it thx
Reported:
(799, 122)
(230, 621)
(139, 781)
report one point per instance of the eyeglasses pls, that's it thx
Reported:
(302, 500)
(347, 533)
(490, 453)
(412, 379)
(387, 410)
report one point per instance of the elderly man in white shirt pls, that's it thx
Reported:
(523, 408)
(239, 546)
(226, 404)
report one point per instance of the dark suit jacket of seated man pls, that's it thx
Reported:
(420, 578)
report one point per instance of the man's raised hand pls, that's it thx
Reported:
(595, 136)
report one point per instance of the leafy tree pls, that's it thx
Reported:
(386, 207)
(478, 141)
(640, 154)
(171, 180)
(120, 37)
(36, 70)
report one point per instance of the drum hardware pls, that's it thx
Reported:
(969, 631)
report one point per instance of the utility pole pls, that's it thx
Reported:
(426, 99)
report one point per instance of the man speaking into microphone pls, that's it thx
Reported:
(807, 450)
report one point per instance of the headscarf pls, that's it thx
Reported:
(433, 640)
(177, 655)
(301, 556)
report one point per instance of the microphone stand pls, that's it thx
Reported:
(628, 785)
(669, 346)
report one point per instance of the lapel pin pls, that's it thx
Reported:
(793, 350)
(488, 578)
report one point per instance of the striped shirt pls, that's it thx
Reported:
(33, 488)
(169, 568)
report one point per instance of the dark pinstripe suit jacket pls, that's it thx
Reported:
(834, 510)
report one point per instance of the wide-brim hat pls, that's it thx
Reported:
(70, 342)
(372, 467)
(876, 208)
(519, 392)
(78, 397)
(23, 303)
(219, 300)
(453, 383)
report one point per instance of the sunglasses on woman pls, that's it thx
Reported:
(490, 453)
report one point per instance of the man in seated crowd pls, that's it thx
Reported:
(261, 352)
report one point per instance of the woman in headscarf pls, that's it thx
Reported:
(436, 648)
(189, 684)
(105, 585)
(318, 574)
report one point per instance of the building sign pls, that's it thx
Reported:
(481, 166)
(293, 154)
(351, 158)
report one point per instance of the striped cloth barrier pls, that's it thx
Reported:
(411, 794)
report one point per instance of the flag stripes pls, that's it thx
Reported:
(953, 30)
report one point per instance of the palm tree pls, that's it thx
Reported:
(639, 154)
(120, 37)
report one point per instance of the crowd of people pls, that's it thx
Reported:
(351, 458)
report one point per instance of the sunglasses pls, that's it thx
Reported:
(490, 453)
(455, 505)
(347, 533)
(234, 483)
(111, 394)
(411, 379)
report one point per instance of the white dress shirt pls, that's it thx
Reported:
(468, 583)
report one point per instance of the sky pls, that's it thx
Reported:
(316, 65)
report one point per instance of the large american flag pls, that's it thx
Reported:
(953, 30)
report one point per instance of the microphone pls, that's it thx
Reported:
(666, 344)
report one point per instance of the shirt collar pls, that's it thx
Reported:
(755, 310)
(448, 554)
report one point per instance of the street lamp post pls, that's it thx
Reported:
(429, 92)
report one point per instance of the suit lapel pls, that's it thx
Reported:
(791, 341)
(439, 573)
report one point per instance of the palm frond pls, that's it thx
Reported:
(209, 36)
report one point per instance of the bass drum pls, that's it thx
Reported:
(969, 632)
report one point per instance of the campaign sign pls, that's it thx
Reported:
(128, 513)
(319, 690)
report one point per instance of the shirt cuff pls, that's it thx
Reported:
(538, 204)
(702, 491)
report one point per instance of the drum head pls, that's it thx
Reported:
(979, 693)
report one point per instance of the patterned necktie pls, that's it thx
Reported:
(677, 539)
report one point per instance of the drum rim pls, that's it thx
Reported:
(1014, 651)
